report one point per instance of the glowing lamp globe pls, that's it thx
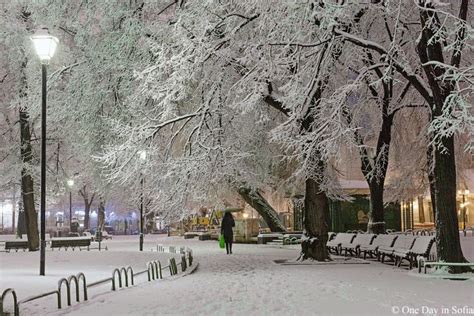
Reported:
(45, 44)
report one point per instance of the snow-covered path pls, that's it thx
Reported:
(250, 283)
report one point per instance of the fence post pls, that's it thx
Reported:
(15, 302)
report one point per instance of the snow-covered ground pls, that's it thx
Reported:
(245, 283)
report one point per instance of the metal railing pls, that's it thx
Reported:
(124, 276)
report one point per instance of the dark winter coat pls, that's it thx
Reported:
(226, 227)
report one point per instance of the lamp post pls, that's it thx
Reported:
(142, 155)
(45, 46)
(70, 183)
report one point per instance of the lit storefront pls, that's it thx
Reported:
(418, 213)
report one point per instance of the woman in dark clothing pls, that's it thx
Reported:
(226, 230)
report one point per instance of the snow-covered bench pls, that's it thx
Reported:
(16, 244)
(359, 240)
(421, 248)
(264, 238)
(381, 240)
(292, 238)
(341, 238)
(71, 242)
(88, 235)
(401, 245)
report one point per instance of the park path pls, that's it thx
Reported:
(250, 283)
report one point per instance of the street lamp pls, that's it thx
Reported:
(70, 183)
(142, 154)
(45, 46)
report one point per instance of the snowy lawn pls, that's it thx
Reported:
(248, 282)
(20, 270)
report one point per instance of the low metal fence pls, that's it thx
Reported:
(121, 277)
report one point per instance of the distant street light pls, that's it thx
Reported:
(45, 46)
(142, 154)
(70, 184)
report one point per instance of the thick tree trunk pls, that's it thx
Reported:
(14, 208)
(376, 223)
(431, 179)
(87, 211)
(379, 172)
(101, 215)
(448, 244)
(298, 207)
(87, 205)
(21, 227)
(316, 223)
(263, 208)
(27, 187)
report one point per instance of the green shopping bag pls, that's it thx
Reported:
(221, 241)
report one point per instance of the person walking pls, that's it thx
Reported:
(226, 230)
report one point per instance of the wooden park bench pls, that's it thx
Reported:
(335, 244)
(420, 249)
(88, 235)
(401, 245)
(71, 242)
(381, 240)
(16, 244)
(359, 240)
